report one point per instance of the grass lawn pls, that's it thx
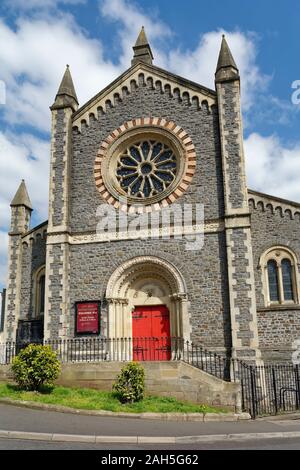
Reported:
(88, 399)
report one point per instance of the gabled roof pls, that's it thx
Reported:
(34, 229)
(149, 71)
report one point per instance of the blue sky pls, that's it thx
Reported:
(96, 36)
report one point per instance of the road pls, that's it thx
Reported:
(13, 418)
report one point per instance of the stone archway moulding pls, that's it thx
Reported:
(121, 302)
(134, 262)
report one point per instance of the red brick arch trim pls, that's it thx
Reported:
(152, 123)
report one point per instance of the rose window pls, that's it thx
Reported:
(146, 168)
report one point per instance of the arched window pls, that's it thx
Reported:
(280, 276)
(39, 287)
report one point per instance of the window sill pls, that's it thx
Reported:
(279, 307)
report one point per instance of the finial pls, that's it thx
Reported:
(21, 197)
(142, 49)
(66, 95)
(226, 67)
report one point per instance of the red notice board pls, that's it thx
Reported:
(87, 318)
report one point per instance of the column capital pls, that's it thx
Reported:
(117, 300)
(179, 296)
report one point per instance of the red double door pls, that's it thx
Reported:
(151, 333)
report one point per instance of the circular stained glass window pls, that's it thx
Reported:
(146, 168)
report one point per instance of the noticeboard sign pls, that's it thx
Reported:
(87, 320)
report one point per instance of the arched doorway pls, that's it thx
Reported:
(147, 291)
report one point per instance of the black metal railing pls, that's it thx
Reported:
(125, 349)
(268, 389)
(265, 390)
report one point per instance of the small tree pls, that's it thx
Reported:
(130, 383)
(34, 366)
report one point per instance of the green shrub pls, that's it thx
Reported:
(130, 383)
(34, 366)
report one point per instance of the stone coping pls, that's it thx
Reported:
(202, 417)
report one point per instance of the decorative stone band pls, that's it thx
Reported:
(83, 238)
(147, 123)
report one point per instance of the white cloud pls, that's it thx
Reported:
(273, 167)
(32, 82)
(27, 157)
(132, 18)
(33, 69)
(199, 64)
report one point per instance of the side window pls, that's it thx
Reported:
(280, 276)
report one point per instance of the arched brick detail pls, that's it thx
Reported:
(148, 122)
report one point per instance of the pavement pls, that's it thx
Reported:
(25, 424)
(119, 449)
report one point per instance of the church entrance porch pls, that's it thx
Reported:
(147, 305)
(151, 333)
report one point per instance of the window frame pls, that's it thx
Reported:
(278, 254)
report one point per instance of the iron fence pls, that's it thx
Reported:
(265, 390)
(126, 349)
(268, 389)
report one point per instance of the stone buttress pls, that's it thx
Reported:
(57, 268)
(237, 217)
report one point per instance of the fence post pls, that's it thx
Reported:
(253, 392)
(274, 390)
(297, 380)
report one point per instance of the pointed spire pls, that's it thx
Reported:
(21, 197)
(142, 49)
(66, 95)
(226, 67)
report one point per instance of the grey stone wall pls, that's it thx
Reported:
(277, 327)
(33, 258)
(204, 272)
(200, 124)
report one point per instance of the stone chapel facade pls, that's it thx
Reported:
(154, 139)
